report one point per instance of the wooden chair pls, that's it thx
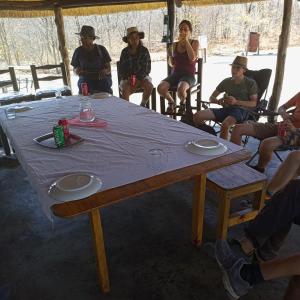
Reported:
(196, 89)
(232, 182)
(10, 90)
(49, 92)
(152, 99)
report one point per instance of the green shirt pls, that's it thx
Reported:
(240, 91)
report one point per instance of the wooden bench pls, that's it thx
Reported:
(232, 182)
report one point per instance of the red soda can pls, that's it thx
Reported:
(132, 80)
(84, 89)
(64, 124)
(281, 130)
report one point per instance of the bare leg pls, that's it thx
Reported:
(163, 90)
(278, 268)
(266, 150)
(126, 89)
(288, 170)
(202, 116)
(183, 86)
(147, 90)
(239, 130)
(226, 124)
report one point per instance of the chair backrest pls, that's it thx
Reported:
(12, 81)
(36, 79)
(262, 78)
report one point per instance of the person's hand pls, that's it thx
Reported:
(289, 125)
(183, 38)
(230, 100)
(78, 71)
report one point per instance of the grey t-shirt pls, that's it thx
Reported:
(241, 91)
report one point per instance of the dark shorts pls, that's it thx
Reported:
(175, 78)
(222, 113)
(96, 85)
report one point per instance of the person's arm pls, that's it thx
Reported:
(123, 73)
(248, 104)
(290, 103)
(106, 69)
(213, 97)
(171, 54)
(76, 63)
(192, 49)
(144, 67)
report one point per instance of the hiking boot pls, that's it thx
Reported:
(181, 109)
(231, 266)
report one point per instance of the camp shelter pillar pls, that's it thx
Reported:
(59, 21)
(171, 14)
(281, 55)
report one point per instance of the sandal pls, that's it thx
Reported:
(181, 109)
(171, 108)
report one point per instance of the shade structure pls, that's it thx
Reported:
(44, 8)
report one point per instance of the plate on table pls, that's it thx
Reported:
(101, 95)
(206, 144)
(21, 108)
(206, 148)
(47, 140)
(74, 187)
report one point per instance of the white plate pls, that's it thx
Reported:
(206, 144)
(20, 108)
(74, 187)
(191, 147)
(101, 95)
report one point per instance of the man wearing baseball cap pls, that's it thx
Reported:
(239, 94)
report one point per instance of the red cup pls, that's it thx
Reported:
(84, 89)
(281, 130)
(132, 80)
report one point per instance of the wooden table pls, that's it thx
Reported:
(21, 138)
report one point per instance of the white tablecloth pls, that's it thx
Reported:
(118, 154)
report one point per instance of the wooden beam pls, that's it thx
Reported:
(281, 55)
(50, 4)
(171, 14)
(59, 21)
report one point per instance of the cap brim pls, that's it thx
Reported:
(141, 35)
(94, 37)
(238, 65)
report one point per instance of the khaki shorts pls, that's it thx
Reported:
(265, 130)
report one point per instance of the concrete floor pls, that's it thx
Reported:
(149, 250)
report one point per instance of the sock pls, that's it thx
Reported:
(252, 274)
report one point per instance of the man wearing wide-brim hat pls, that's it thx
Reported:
(135, 66)
(239, 94)
(91, 62)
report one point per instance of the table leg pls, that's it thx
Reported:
(4, 141)
(198, 209)
(100, 250)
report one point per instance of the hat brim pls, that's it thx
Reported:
(235, 64)
(94, 37)
(141, 35)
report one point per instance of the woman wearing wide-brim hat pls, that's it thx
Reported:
(183, 56)
(135, 66)
(91, 63)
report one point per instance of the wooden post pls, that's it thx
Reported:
(171, 14)
(59, 21)
(281, 55)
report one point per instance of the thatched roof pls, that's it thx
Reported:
(43, 8)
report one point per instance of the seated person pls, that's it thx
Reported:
(135, 60)
(264, 236)
(91, 63)
(240, 94)
(182, 58)
(269, 132)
